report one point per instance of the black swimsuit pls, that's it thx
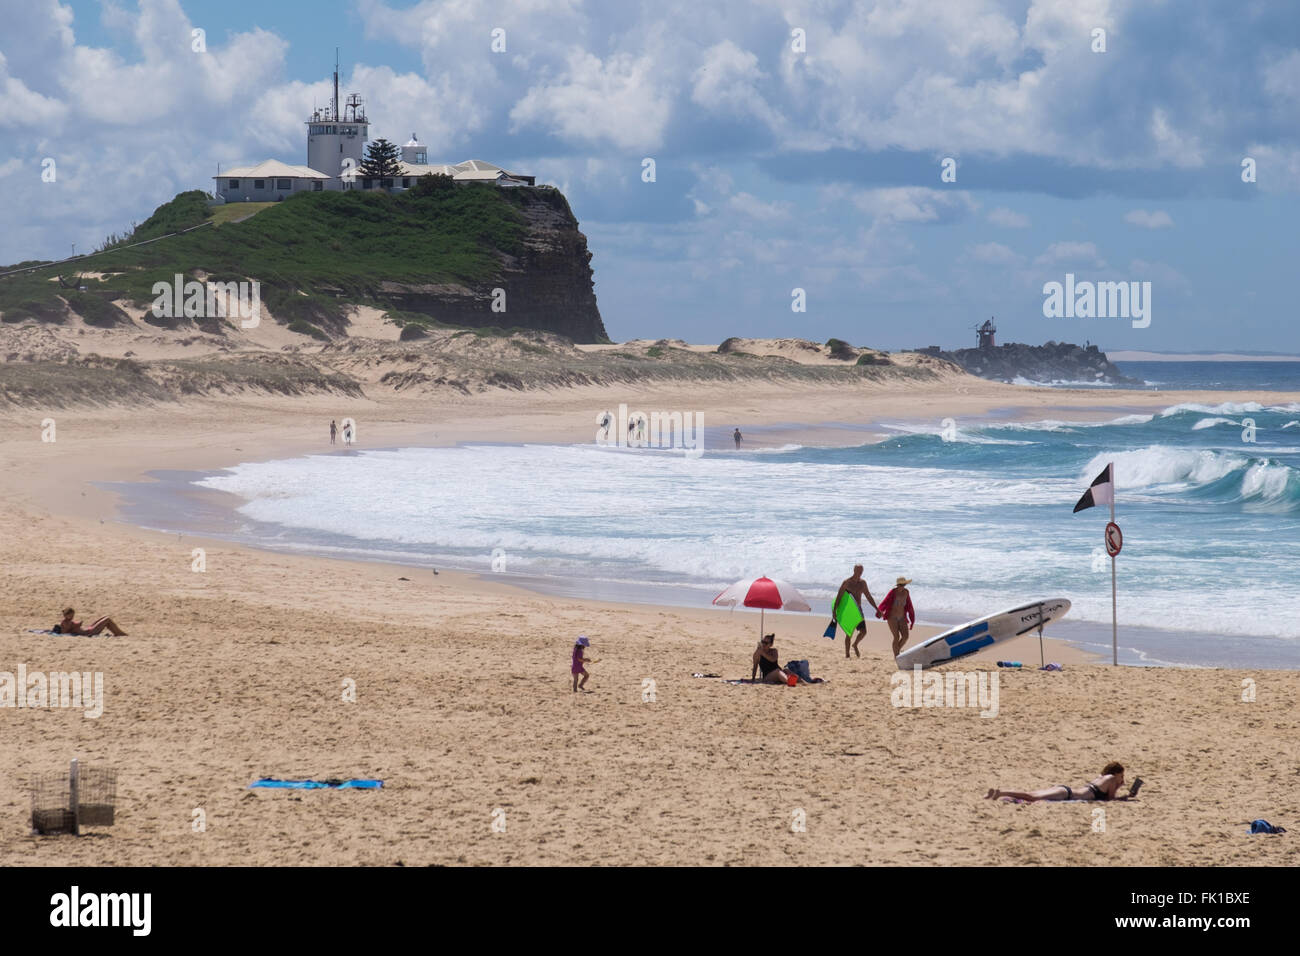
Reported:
(1097, 792)
(765, 665)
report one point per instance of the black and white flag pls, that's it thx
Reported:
(1102, 490)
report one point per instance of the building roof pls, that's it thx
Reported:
(272, 169)
(468, 171)
(435, 169)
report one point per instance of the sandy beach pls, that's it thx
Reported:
(462, 699)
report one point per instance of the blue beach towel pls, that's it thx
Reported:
(1263, 826)
(274, 784)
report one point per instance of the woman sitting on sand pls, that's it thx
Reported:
(765, 659)
(69, 626)
(1103, 787)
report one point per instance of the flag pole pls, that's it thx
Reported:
(1114, 615)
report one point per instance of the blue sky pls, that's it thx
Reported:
(777, 168)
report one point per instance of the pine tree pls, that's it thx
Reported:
(383, 160)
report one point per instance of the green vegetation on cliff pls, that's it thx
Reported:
(313, 253)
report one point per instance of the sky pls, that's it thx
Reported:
(795, 146)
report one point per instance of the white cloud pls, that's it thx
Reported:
(727, 83)
(1282, 77)
(24, 107)
(616, 100)
(1008, 218)
(755, 208)
(996, 254)
(1156, 219)
(906, 203)
(1073, 253)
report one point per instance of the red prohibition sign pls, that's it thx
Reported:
(1114, 539)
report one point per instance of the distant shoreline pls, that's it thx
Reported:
(1134, 356)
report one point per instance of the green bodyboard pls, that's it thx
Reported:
(847, 614)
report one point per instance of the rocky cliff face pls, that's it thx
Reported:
(1050, 363)
(548, 286)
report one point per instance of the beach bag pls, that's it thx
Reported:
(801, 668)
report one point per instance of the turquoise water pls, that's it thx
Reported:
(979, 514)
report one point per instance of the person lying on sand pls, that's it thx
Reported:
(69, 626)
(765, 659)
(1103, 787)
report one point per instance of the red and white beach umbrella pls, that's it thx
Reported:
(764, 594)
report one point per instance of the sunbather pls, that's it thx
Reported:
(765, 659)
(69, 626)
(1104, 787)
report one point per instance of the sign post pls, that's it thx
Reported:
(1114, 543)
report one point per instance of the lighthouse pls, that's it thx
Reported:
(336, 138)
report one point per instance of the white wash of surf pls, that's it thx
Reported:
(978, 525)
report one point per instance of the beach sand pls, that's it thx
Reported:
(462, 691)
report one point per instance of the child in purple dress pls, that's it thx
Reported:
(578, 661)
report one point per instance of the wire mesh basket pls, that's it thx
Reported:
(66, 802)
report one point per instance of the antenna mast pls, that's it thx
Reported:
(336, 84)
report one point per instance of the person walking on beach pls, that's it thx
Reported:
(579, 664)
(765, 660)
(897, 611)
(334, 429)
(1103, 787)
(347, 433)
(604, 426)
(856, 586)
(69, 626)
(737, 436)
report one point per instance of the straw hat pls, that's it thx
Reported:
(902, 581)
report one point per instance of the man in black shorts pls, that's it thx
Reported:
(858, 588)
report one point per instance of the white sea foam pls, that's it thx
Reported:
(1061, 383)
(974, 540)
(1164, 467)
(956, 435)
(1223, 408)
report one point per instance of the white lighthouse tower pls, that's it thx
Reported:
(336, 138)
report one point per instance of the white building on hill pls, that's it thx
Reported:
(268, 181)
(335, 151)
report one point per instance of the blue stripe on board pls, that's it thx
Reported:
(958, 650)
(967, 633)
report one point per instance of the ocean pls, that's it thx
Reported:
(1216, 376)
(979, 514)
